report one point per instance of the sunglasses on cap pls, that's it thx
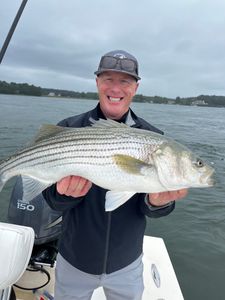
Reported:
(124, 64)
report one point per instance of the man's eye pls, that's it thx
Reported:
(125, 82)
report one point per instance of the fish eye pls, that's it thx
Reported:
(199, 163)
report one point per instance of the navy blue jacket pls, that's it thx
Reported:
(93, 240)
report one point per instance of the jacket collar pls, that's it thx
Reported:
(129, 118)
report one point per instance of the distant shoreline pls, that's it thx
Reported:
(25, 89)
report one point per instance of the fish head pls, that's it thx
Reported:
(178, 167)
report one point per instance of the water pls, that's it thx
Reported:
(195, 232)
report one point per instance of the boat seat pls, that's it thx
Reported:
(16, 244)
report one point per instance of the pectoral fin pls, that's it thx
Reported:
(132, 165)
(115, 199)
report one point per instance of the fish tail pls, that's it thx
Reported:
(1, 184)
(2, 181)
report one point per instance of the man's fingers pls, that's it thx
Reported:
(183, 193)
(75, 186)
(63, 184)
(165, 197)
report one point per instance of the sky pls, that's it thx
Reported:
(179, 44)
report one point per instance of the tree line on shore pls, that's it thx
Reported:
(31, 90)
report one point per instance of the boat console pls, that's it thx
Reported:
(16, 246)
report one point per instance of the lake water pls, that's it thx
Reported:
(195, 232)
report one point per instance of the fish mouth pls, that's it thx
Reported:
(209, 180)
(115, 99)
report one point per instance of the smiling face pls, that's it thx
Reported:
(116, 91)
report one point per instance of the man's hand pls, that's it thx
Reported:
(74, 186)
(160, 199)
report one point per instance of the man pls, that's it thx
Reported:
(101, 248)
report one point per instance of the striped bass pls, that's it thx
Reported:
(112, 155)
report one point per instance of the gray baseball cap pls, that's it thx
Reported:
(119, 61)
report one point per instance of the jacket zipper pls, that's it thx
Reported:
(107, 243)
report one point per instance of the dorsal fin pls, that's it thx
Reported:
(48, 130)
(102, 123)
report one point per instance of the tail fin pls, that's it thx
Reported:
(2, 182)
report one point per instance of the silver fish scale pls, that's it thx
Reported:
(93, 146)
(108, 158)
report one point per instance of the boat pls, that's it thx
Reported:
(17, 281)
(40, 259)
(29, 247)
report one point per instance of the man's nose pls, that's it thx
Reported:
(116, 87)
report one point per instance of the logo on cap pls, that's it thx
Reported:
(119, 55)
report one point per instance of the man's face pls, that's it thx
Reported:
(116, 91)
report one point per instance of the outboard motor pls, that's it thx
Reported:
(45, 222)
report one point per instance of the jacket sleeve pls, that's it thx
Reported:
(60, 202)
(155, 211)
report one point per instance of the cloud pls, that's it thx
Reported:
(179, 44)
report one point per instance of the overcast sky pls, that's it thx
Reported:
(180, 44)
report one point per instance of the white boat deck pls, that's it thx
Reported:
(159, 276)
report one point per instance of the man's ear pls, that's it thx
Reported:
(96, 79)
(137, 85)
